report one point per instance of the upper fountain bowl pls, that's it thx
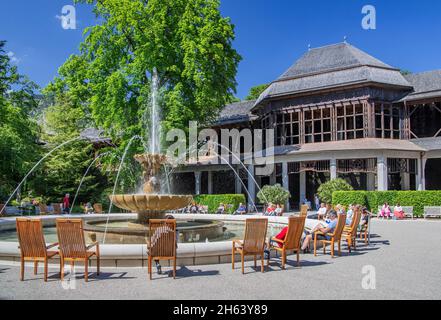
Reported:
(142, 203)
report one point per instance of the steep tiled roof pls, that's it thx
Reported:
(236, 112)
(425, 85)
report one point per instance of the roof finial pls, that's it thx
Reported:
(309, 47)
(345, 38)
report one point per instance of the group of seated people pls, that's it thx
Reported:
(194, 208)
(329, 219)
(273, 210)
(385, 212)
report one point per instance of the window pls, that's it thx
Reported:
(317, 125)
(350, 122)
(387, 121)
(288, 125)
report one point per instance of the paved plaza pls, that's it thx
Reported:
(406, 256)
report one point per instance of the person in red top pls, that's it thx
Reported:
(66, 203)
(281, 235)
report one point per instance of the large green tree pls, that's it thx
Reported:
(18, 132)
(187, 41)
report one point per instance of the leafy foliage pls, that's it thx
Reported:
(18, 132)
(372, 199)
(256, 91)
(213, 201)
(326, 190)
(275, 194)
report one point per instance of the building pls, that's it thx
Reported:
(337, 112)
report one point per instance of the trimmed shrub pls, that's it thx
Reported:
(231, 201)
(372, 199)
(275, 194)
(326, 190)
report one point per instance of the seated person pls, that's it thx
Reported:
(241, 209)
(321, 213)
(194, 208)
(385, 211)
(278, 211)
(88, 208)
(221, 209)
(280, 236)
(398, 212)
(364, 219)
(269, 210)
(323, 229)
(349, 214)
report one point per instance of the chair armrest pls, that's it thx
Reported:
(52, 245)
(238, 242)
(277, 240)
(92, 245)
(318, 232)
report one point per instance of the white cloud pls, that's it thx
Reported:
(13, 58)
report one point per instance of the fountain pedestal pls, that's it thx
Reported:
(151, 204)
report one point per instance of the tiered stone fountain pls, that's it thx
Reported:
(151, 204)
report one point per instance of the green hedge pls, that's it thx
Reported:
(372, 199)
(213, 201)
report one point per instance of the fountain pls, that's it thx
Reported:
(150, 204)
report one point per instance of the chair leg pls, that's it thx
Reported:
(149, 267)
(174, 268)
(283, 259)
(355, 244)
(232, 258)
(324, 247)
(45, 269)
(339, 247)
(22, 265)
(86, 270)
(315, 246)
(243, 266)
(255, 261)
(332, 249)
(62, 268)
(263, 262)
(35, 267)
(97, 265)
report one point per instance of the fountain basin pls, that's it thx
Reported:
(150, 206)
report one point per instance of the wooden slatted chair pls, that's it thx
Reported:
(292, 240)
(162, 242)
(57, 208)
(73, 245)
(253, 243)
(335, 237)
(32, 245)
(350, 232)
(98, 208)
(304, 210)
(43, 208)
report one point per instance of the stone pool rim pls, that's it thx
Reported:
(135, 255)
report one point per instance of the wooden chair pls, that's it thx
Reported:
(98, 208)
(350, 232)
(335, 237)
(57, 208)
(304, 210)
(73, 245)
(292, 240)
(43, 208)
(253, 243)
(363, 232)
(162, 243)
(32, 245)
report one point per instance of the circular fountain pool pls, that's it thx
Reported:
(123, 231)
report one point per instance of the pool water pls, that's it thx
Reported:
(231, 231)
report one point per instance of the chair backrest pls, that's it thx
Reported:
(162, 242)
(296, 226)
(355, 221)
(341, 222)
(98, 208)
(255, 234)
(43, 208)
(57, 208)
(71, 238)
(304, 210)
(30, 237)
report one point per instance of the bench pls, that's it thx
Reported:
(432, 212)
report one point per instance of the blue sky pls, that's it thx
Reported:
(270, 35)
